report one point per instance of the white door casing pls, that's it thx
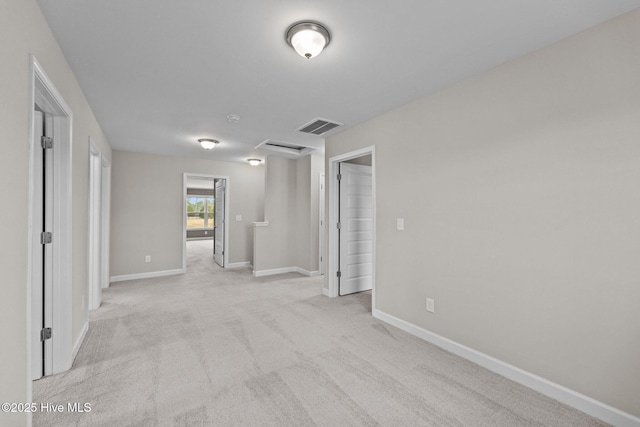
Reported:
(37, 272)
(57, 298)
(220, 225)
(106, 221)
(356, 228)
(94, 290)
(321, 255)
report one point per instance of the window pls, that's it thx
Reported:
(200, 212)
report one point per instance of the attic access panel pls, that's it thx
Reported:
(285, 149)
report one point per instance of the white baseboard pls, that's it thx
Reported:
(307, 272)
(146, 275)
(271, 272)
(567, 396)
(239, 264)
(79, 341)
(325, 292)
(283, 270)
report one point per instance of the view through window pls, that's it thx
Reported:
(200, 212)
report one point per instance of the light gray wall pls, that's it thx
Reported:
(147, 205)
(519, 189)
(23, 30)
(274, 244)
(291, 209)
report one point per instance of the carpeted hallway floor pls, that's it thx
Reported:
(218, 347)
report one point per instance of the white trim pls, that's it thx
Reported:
(148, 275)
(307, 272)
(95, 228)
(243, 264)
(555, 391)
(321, 222)
(79, 341)
(260, 224)
(44, 93)
(325, 292)
(333, 260)
(273, 271)
(227, 208)
(283, 270)
(106, 220)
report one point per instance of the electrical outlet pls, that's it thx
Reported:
(206, 232)
(431, 305)
(147, 258)
(238, 218)
(400, 224)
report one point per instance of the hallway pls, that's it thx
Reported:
(218, 347)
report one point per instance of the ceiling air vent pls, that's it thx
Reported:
(319, 126)
(284, 149)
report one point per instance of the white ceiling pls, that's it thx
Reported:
(161, 73)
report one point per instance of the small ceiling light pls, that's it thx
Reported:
(208, 143)
(233, 118)
(254, 162)
(308, 38)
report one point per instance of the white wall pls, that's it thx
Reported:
(147, 204)
(521, 198)
(23, 31)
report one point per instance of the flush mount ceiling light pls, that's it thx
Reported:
(233, 118)
(254, 162)
(308, 38)
(208, 143)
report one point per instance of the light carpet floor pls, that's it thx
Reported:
(218, 347)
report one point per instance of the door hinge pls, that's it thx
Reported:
(339, 274)
(338, 225)
(339, 177)
(45, 334)
(46, 142)
(46, 237)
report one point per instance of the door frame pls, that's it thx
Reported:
(95, 231)
(321, 223)
(105, 204)
(334, 215)
(184, 215)
(44, 94)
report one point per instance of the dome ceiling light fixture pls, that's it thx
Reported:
(208, 143)
(254, 162)
(308, 38)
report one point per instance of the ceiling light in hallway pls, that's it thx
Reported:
(308, 38)
(208, 143)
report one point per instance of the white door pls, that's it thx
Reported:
(42, 252)
(218, 253)
(356, 229)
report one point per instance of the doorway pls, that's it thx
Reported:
(352, 202)
(206, 214)
(49, 277)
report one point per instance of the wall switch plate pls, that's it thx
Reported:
(238, 218)
(431, 305)
(400, 224)
(147, 258)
